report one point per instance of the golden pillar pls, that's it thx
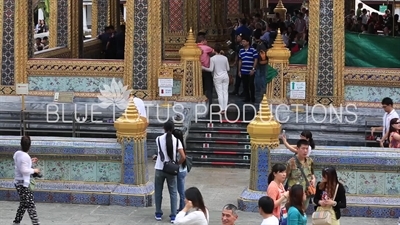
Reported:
(278, 57)
(132, 135)
(192, 81)
(280, 8)
(264, 136)
(75, 28)
(113, 13)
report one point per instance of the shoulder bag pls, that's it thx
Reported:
(310, 190)
(170, 167)
(323, 217)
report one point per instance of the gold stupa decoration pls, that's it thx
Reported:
(280, 8)
(264, 130)
(190, 50)
(130, 124)
(278, 53)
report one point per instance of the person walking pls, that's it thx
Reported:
(23, 171)
(219, 65)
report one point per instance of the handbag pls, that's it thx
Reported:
(170, 167)
(189, 163)
(32, 184)
(323, 217)
(310, 190)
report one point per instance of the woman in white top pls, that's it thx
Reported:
(182, 172)
(219, 65)
(23, 171)
(305, 135)
(195, 211)
(170, 146)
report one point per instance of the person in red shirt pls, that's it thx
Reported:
(206, 53)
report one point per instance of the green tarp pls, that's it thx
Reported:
(364, 50)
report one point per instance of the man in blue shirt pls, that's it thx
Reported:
(243, 29)
(248, 59)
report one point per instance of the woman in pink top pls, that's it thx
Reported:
(276, 190)
(394, 136)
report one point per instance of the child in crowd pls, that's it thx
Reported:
(266, 207)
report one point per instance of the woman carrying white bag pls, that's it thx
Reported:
(330, 197)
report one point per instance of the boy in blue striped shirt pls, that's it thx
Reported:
(248, 58)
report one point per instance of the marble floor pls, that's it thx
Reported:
(218, 186)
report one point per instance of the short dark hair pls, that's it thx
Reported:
(246, 38)
(302, 142)
(266, 204)
(25, 143)
(200, 38)
(387, 101)
(218, 48)
(201, 33)
(257, 34)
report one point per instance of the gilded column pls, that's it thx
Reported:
(132, 135)
(278, 57)
(113, 13)
(280, 8)
(99, 16)
(264, 136)
(326, 52)
(75, 28)
(58, 23)
(192, 82)
(23, 42)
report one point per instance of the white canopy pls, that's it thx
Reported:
(365, 6)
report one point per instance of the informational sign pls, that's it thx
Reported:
(64, 97)
(298, 90)
(22, 89)
(382, 8)
(165, 82)
(165, 92)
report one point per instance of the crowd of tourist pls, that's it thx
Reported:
(366, 22)
(113, 43)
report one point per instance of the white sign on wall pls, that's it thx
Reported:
(22, 89)
(298, 90)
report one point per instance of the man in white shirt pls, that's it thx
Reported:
(229, 214)
(266, 208)
(390, 113)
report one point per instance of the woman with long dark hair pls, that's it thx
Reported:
(295, 206)
(23, 171)
(182, 171)
(330, 195)
(394, 135)
(276, 189)
(305, 135)
(195, 211)
(169, 146)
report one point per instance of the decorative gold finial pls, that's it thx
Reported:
(264, 130)
(190, 30)
(280, 8)
(130, 123)
(278, 53)
(190, 49)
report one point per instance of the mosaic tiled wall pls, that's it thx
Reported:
(233, 7)
(102, 14)
(62, 23)
(8, 20)
(205, 13)
(73, 84)
(140, 45)
(176, 15)
(70, 170)
(356, 93)
(325, 75)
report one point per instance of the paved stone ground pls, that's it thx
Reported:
(218, 186)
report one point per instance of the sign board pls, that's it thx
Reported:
(298, 90)
(166, 82)
(22, 89)
(165, 91)
(382, 8)
(64, 97)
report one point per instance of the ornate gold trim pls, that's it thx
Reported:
(53, 17)
(1, 39)
(74, 8)
(313, 51)
(129, 47)
(338, 52)
(372, 77)
(113, 13)
(77, 68)
(76, 94)
(21, 28)
(154, 22)
(95, 18)
(365, 104)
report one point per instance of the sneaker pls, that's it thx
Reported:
(172, 219)
(158, 217)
